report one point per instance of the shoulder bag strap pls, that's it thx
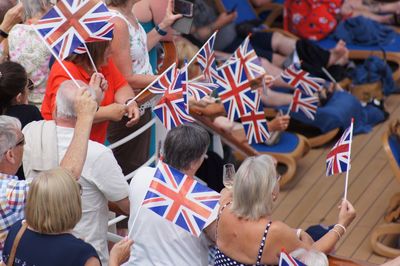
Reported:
(21, 231)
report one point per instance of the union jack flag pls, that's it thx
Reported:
(248, 59)
(164, 81)
(180, 199)
(103, 34)
(304, 103)
(235, 91)
(255, 125)
(338, 159)
(72, 22)
(287, 260)
(206, 58)
(301, 79)
(172, 108)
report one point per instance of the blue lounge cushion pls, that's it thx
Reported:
(394, 145)
(287, 143)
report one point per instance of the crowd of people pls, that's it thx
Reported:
(58, 179)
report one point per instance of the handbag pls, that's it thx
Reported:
(21, 231)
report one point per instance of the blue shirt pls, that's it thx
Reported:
(47, 250)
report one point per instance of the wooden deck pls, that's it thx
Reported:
(312, 198)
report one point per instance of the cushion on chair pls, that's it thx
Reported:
(338, 111)
(394, 145)
(288, 143)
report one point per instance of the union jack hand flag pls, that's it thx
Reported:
(304, 103)
(206, 59)
(104, 34)
(301, 79)
(338, 159)
(180, 199)
(164, 81)
(287, 260)
(72, 22)
(248, 59)
(172, 108)
(255, 125)
(235, 91)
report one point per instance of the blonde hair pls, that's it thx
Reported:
(253, 185)
(54, 202)
(187, 50)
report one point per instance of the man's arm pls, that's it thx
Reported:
(75, 156)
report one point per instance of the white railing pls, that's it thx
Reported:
(111, 236)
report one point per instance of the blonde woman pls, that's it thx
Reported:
(53, 209)
(246, 233)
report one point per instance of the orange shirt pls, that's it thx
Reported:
(58, 75)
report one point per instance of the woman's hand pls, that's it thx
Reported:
(120, 252)
(13, 16)
(169, 17)
(347, 213)
(95, 83)
(115, 111)
(133, 113)
(279, 123)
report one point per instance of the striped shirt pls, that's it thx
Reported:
(13, 194)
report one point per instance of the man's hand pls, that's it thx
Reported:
(279, 123)
(85, 105)
(133, 114)
(120, 252)
(13, 16)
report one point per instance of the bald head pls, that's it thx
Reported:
(65, 99)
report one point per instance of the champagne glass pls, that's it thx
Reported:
(228, 174)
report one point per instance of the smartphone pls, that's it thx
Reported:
(183, 25)
(233, 9)
(183, 7)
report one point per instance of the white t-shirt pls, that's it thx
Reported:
(157, 240)
(102, 180)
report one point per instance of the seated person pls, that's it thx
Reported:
(245, 218)
(14, 192)
(102, 179)
(157, 240)
(46, 234)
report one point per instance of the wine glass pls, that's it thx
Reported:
(229, 172)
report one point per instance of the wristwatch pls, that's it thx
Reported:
(3, 34)
(160, 31)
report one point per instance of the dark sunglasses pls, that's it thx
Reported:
(29, 85)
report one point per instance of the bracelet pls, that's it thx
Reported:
(3, 34)
(160, 31)
(337, 232)
(341, 226)
(298, 232)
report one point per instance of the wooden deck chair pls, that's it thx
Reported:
(391, 145)
(285, 155)
(246, 12)
(335, 260)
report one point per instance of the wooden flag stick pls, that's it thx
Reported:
(346, 183)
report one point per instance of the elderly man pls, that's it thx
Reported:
(102, 179)
(13, 192)
(158, 241)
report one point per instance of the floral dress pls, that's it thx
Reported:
(33, 55)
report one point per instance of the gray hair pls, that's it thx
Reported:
(184, 145)
(65, 98)
(253, 185)
(9, 126)
(310, 257)
(35, 7)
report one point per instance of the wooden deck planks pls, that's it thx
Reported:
(312, 198)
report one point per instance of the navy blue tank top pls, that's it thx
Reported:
(47, 250)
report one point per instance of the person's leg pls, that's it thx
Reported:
(274, 98)
(282, 44)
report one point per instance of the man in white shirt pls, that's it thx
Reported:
(157, 240)
(102, 179)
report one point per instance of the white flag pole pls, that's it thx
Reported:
(56, 57)
(349, 165)
(134, 220)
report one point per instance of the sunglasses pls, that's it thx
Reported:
(29, 85)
